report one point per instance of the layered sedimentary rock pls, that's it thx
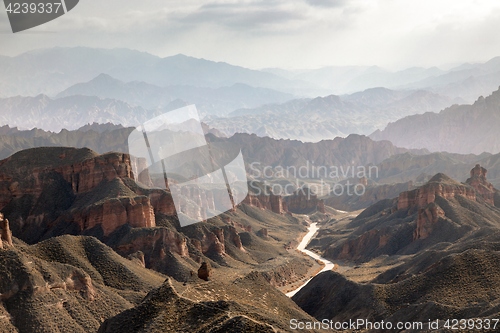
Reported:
(153, 244)
(427, 218)
(86, 175)
(479, 182)
(423, 199)
(102, 182)
(113, 213)
(304, 200)
(440, 185)
(442, 210)
(267, 201)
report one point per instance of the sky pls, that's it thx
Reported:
(393, 34)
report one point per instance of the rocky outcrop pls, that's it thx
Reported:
(86, 175)
(427, 218)
(113, 213)
(104, 184)
(5, 233)
(162, 202)
(138, 257)
(479, 182)
(263, 233)
(79, 281)
(267, 201)
(439, 185)
(152, 240)
(355, 249)
(303, 201)
(423, 199)
(204, 271)
(234, 238)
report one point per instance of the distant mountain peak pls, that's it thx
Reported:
(442, 178)
(103, 77)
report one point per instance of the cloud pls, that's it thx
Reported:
(248, 16)
(282, 33)
(327, 3)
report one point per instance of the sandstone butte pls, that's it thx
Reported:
(424, 204)
(440, 185)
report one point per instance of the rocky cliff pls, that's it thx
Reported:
(442, 210)
(47, 192)
(92, 192)
(479, 182)
(440, 185)
(304, 201)
(269, 201)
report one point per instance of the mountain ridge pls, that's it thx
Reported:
(444, 131)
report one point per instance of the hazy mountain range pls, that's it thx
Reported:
(218, 101)
(467, 81)
(459, 128)
(68, 112)
(331, 116)
(50, 71)
(70, 87)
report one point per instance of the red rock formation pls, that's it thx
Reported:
(83, 176)
(479, 182)
(304, 200)
(426, 220)
(150, 239)
(86, 175)
(204, 271)
(162, 202)
(354, 249)
(267, 201)
(5, 233)
(229, 221)
(421, 197)
(113, 213)
(234, 237)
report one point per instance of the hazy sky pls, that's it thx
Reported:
(279, 33)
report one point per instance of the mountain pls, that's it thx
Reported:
(458, 129)
(53, 191)
(50, 71)
(67, 284)
(356, 149)
(353, 150)
(67, 202)
(69, 112)
(78, 284)
(218, 101)
(466, 81)
(427, 255)
(348, 79)
(176, 308)
(407, 171)
(331, 116)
